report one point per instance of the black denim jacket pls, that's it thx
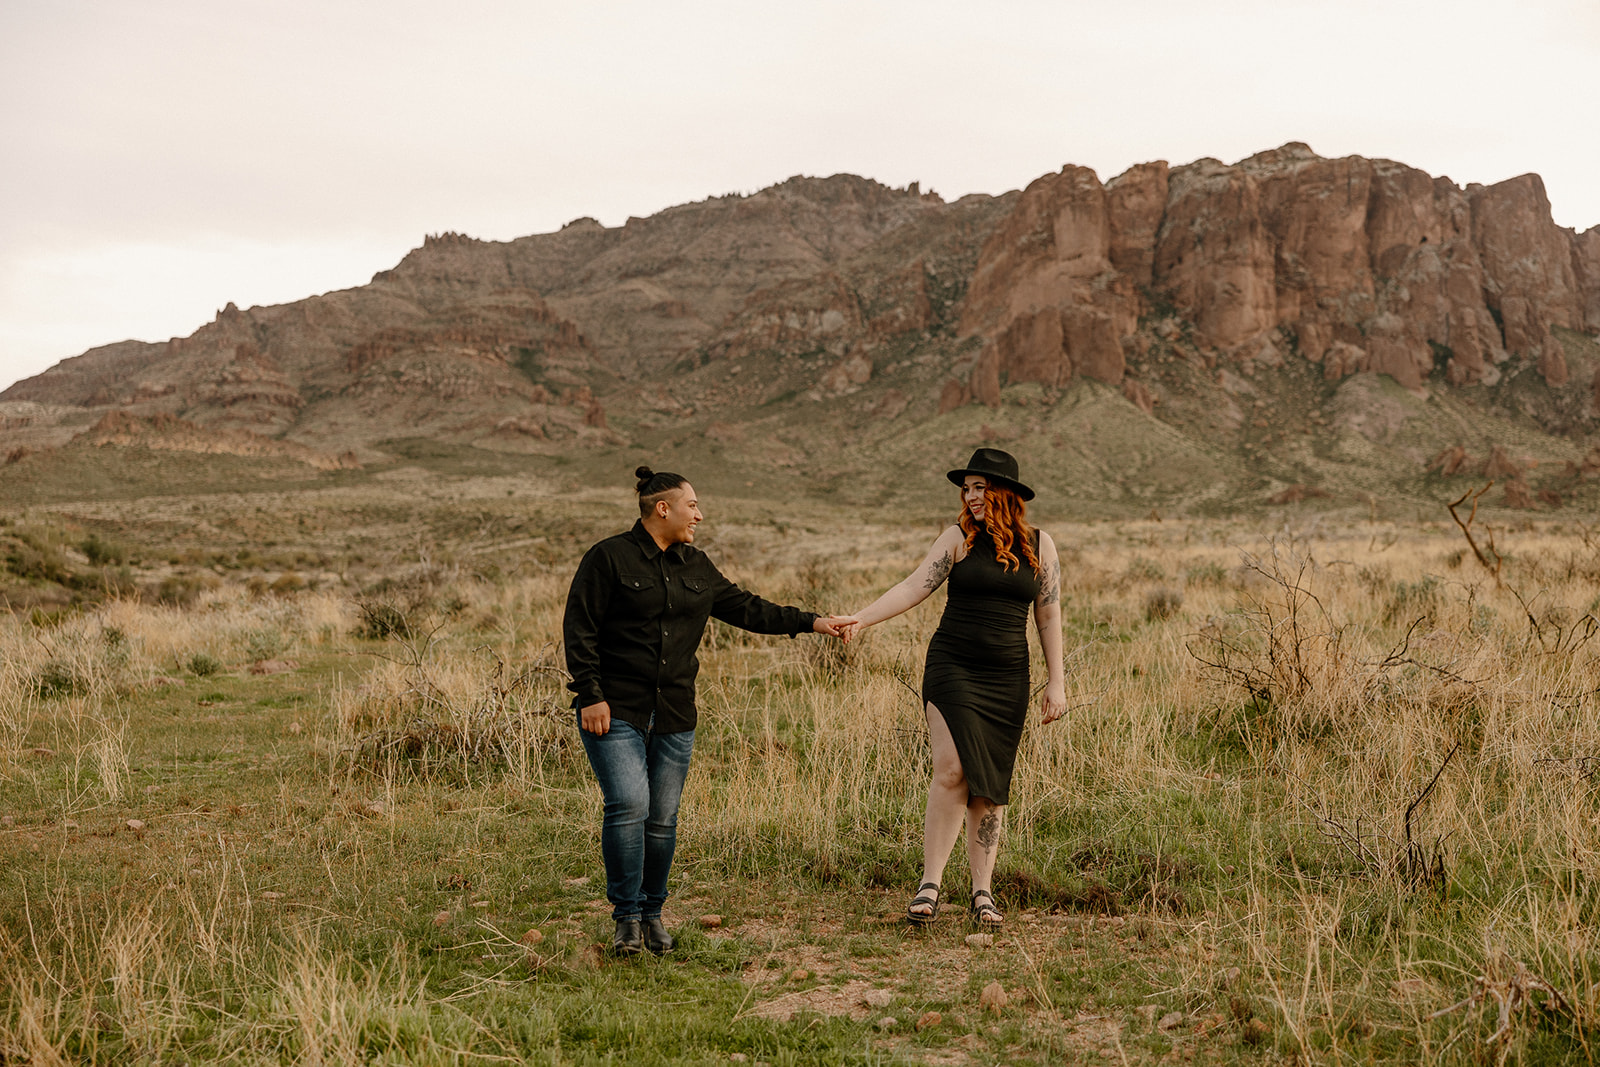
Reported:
(635, 615)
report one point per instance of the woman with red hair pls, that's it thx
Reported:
(975, 681)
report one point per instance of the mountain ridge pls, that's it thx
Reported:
(827, 309)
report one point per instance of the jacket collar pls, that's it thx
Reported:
(648, 545)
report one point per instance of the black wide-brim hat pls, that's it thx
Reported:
(998, 466)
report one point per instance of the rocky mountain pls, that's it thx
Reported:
(1204, 335)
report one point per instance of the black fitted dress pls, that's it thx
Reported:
(977, 668)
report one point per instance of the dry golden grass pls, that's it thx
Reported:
(1339, 781)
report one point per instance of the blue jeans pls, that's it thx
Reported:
(641, 776)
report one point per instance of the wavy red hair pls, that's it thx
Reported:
(1005, 516)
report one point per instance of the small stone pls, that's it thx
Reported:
(531, 938)
(710, 922)
(888, 1022)
(136, 825)
(375, 808)
(441, 919)
(582, 880)
(480, 903)
(1169, 1020)
(170, 885)
(993, 998)
(1230, 869)
(929, 1018)
(980, 940)
(1230, 977)
(877, 998)
(799, 974)
(738, 1057)
(294, 727)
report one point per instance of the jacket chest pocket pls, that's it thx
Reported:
(688, 595)
(641, 590)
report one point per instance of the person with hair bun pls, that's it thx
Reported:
(975, 686)
(635, 614)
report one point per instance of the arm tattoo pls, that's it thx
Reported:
(1051, 593)
(938, 571)
(989, 831)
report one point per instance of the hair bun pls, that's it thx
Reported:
(643, 473)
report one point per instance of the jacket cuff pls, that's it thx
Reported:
(808, 620)
(587, 694)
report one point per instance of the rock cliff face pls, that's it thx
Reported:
(1356, 264)
(783, 322)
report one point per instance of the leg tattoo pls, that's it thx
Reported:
(989, 831)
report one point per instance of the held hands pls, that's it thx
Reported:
(840, 626)
(843, 627)
(596, 718)
(1054, 702)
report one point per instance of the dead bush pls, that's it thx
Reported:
(1161, 603)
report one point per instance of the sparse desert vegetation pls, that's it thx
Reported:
(1326, 793)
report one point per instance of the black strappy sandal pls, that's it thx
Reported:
(917, 918)
(986, 916)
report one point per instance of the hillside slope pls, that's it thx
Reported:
(1206, 336)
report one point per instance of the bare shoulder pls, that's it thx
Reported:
(950, 540)
(1047, 547)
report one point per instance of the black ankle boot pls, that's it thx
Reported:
(656, 938)
(627, 941)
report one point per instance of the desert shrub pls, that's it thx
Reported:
(440, 718)
(103, 553)
(114, 646)
(380, 621)
(288, 582)
(180, 590)
(1408, 600)
(58, 679)
(1207, 573)
(204, 664)
(266, 642)
(1141, 569)
(33, 557)
(1374, 578)
(1162, 602)
(50, 618)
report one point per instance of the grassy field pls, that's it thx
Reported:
(1326, 793)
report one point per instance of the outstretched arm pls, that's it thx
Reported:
(1047, 617)
(915, 587)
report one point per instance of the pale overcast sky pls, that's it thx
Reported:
(163, 158)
